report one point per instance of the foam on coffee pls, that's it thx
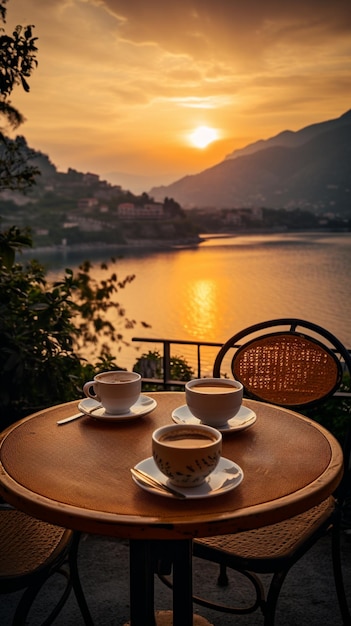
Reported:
(113, 378)
(187, 440)
(214, 388)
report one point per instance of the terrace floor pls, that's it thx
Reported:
(307, 599)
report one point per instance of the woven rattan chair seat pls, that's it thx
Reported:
(275, 541)
(19, 557)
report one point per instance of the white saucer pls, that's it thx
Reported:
(225, 477)
(243, 419)
(143, 406)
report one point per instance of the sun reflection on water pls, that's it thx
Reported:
(202, 307)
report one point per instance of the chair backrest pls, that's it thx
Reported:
(288, 362)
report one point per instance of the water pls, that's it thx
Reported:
(210, 292)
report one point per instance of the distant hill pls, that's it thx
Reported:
(308, 169)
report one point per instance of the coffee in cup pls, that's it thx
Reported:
(186, 454)
(116, 390)
(214, 400)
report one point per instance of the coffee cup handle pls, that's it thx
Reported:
(86, 389)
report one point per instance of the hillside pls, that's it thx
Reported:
(308, 169)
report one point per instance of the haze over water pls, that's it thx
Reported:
(210, 292)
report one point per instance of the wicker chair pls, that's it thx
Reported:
(295, 364)
(31, 551)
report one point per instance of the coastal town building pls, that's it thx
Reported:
(149, 211)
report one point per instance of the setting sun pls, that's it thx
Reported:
(203, 136)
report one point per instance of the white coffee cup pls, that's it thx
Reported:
(214, 400)
(187, 453)
(117, 390)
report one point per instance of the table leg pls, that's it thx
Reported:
(182, 583)
(141, 560)
(176, 557)
(144, 556)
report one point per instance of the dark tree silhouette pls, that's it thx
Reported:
(17, 62)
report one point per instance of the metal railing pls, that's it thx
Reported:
(167, 382)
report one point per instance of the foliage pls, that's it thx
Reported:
(17, 56)
(335, 413)
(180, 370)
(43, 328)
(16, 174)
(150, 365)
(17, 61)
(10, 241)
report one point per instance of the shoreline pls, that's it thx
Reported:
(140, 244)
(151, 244)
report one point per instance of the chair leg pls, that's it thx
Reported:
(59, 606)
(222, 580)
(26, 601)
(338, 576)
(29, 596)
(272, 597)
(75, 580)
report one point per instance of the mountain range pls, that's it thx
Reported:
(307, 169)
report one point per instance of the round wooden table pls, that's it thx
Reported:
(78, 475)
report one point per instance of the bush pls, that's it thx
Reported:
(334, 414)
(150, 365)
(43, 328)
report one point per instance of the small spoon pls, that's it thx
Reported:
(153, 482)
(71, 418)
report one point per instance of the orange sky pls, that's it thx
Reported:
(122, 84)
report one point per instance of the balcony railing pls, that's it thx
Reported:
(167, 382)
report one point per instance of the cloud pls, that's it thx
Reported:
(221, 28)
(122, 81)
